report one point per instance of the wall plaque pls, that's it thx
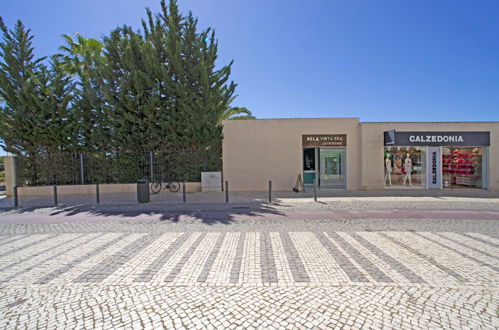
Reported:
(324, 140)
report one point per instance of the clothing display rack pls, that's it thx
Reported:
(464, 168)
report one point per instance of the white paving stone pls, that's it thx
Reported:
(191, 270)
(329, 298)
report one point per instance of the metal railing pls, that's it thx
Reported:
(124, 166)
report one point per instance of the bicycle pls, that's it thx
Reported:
(170, 185)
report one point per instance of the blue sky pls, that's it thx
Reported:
(384, 60)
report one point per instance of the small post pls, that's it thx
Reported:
(226, 191)
(270, 191)
(54, 190)
(315, 190)
(82, 170)
(16, 199)
(184, 197)
(151, 165)
(14, 170)
(97, 193)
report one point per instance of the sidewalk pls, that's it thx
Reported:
(288, 201)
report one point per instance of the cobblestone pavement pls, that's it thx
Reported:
(331, 199)
(304, 273)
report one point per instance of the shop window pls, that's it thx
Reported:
(462, 167)
(309, 165)
(405, 166)
(332, 165)
(309, 159)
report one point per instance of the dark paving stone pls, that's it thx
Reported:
(352, 272)
(365, 263)
(34, 255)
(211, 258)
(399, 267)
(238, 258)
(478, 239)
(25, 270)
(462, 254)
(178, 267)
(294, 261)
(10, 252)
(267, 262)
(426, 258)
(49, 277)
(11, 240)
(158, 263)
(468, 247)
(17, 303)
(490, 235)
(109, 265)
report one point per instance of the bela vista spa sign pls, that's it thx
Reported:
(324, 140)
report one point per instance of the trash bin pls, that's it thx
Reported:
(142, 191)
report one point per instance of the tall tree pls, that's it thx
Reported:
(60, 129)
(159, 87)
(36, 112)
(196, 94)
(82, 58)
(129, 89)
(79, 55)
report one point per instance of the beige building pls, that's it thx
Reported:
(343, 153)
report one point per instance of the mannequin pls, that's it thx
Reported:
(397, 169)
(408, 169)
(388, 167)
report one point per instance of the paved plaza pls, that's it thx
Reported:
(284, 266)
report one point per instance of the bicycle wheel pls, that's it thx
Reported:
(174, 186)
(155, 187)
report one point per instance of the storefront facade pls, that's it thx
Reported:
(343, 153)
(436, 160)
(324, 160)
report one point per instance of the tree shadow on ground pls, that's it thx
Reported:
(208, 214)
(202, 208)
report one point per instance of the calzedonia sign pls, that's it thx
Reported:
(434, 165)
(472, 139)
(324, 140)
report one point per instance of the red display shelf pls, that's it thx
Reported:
(458, 164)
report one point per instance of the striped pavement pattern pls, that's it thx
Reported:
(252, 258)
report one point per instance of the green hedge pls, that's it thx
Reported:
(128, 166)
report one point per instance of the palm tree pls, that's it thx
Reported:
(231, 113)
(80, 58)
(79, 55)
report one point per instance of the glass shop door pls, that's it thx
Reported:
(332, 168)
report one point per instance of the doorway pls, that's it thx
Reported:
(326, 164)
(332, 168)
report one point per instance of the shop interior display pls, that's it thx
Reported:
(397, 172)
(462, 167)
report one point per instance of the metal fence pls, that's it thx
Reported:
(116, 167)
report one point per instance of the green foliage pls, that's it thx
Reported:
(2, 169)
(35, 116)
(235, 113)
(80, 55)
(161, 86)
(134, 90)
(82, 59)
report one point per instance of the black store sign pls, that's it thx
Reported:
(324, 140)
(472, 139)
